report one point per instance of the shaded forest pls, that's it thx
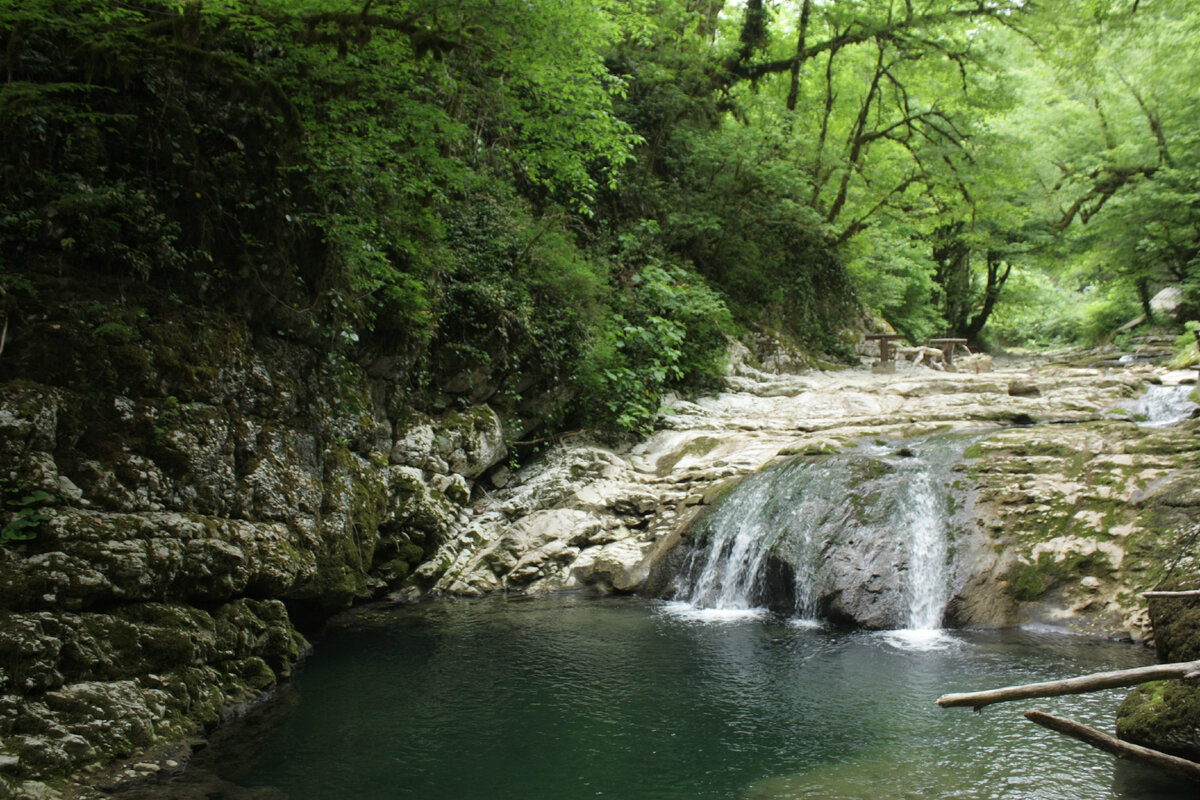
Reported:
(579, 201)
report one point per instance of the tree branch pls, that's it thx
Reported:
(738, 67)
(1080, 685)
(1114, 746)
(859, 225)
(819, 179)
(1153, 120)
(1107, 182)
(856, 141)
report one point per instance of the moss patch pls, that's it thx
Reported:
(1029, 582)
(1163, 715)
(698, 447)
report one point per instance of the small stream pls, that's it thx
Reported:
(1165, 406)
(569, 697)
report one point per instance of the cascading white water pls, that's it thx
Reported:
(1164, 406)
(800, 513)
(922, 524)
(737, 553)
(763, 515)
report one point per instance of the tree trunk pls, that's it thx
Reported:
(754, 30)
(1143, 290)
(995, 282)
(953, 258)
(710, 12)
(794, 86)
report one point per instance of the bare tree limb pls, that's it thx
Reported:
(1080, 685)
(1113, 745)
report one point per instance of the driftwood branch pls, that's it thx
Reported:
(1086, 683)
(1113, 745)
(1189, 593)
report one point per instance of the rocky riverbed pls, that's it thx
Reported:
(182, 529)
(1070, 504)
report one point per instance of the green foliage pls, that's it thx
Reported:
(1187, 347)
(1107, 311)
(670, 333)
(1114, 150)
(731, 205)
(1038, 312)
(894, 277)
(24, 511)
(566, 207)
(310, 148)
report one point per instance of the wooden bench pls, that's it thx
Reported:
(947, 346)
(885, 351)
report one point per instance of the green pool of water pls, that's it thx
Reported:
(628, 699)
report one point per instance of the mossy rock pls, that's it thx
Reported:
(394, 571)
(698, 447)
(1163, 715)
(1029, 582)
(1176, 623)
(869, 469)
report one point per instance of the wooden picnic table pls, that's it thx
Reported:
(884, 349)
(947, 346)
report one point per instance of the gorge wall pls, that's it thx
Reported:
(190, 490)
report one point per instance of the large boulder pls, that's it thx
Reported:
(466, 443)
(1165, 715)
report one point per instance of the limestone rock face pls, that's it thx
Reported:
(465, 444)
(82, 687)
(157, 535)
(1084, 517)
(1058, 523)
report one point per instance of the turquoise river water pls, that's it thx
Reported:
(569, 697)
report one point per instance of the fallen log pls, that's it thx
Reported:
(1188, 593)
(1113, 745)
(1080, 685)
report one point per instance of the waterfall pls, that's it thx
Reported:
(921, 516)
(878, 514)
(1164, 406)
(764, 521)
